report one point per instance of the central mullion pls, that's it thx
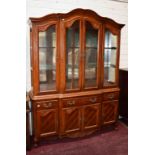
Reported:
(82, 56)
(73, 57)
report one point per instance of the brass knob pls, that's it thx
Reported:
(38, 105)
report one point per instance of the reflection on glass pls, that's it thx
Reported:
(91, 56)
(72, 56)
(47, 59)
(110, 40)
(110, 58)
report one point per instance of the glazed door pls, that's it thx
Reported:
(109, 112)
(71, 120)
(47, 122)
(71, 54)
(111, 51)
(91, 48)
(48, 62)
(91, 114)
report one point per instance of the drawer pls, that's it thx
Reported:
(80, 101)
(70, 102)
(111, 96)
(46, 105)
(90, 100)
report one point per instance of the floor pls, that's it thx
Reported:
(113, 142)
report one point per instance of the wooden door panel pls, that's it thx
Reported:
(91, 116)
(71, 120)
(47, 122)
(109, 112)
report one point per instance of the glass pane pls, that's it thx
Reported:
(72, 56)
(91, 56)
(110, 40)
(47, 59)
(110, 53)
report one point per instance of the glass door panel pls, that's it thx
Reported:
(110, 54)
(47, 59)
(91, 49)
(72, 56)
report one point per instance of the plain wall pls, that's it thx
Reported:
(118, 11)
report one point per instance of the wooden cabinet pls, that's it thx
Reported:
(45, 114)
(109, 112)
(47, 122)
(71, 120)
(74, 64)
(76, 114)
(91, 116)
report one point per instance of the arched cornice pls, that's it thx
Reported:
(80, 12)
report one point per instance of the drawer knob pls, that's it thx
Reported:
(93, 100)
(111, 96)
(71, 102)
(38, 105)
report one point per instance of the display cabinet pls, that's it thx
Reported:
(74, 72)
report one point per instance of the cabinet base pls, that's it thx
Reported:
(73, 136)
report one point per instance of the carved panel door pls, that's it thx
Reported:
(90, 117)
(71, 119)
(47, 122)
(109, 111)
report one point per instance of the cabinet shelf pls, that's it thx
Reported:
(113, 48)
(46, 47)
(47, 67)
(91, 47)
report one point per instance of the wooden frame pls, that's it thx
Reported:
(89, 101)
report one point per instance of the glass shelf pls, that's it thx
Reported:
(46, 47)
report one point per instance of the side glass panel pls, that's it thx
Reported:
(72, 56)
(110, 54)
(91, 49)
(47, 59)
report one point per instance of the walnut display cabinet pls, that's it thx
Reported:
(74, 72)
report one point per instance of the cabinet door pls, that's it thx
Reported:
(71, 55)
(92, 31)
(71, 118)
(91, 116)
(109, 112)
(47, 59)
(47, 122)
(110, 58)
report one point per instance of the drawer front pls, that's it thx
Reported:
(80, 101)
(90, 100)
(111, 96)
(46, 105)
(70, 102)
